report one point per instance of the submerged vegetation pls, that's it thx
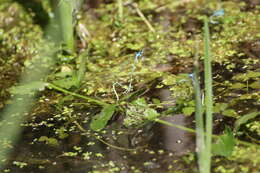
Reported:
(118, 95)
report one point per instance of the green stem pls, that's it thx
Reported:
(200, 142)
(194, 131)
(99, 102)
(208, 97)
(175, 125)
(139, 12)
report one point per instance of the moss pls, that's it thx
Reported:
(240, 161)
(20, 35)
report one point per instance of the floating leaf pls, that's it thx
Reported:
(230, 113)
(100, 120)
(244, 119)
(49, 141)
(28, 88)
(225, 144)
(238, 86)
(255, 85)
(247, 76)
(220, 107)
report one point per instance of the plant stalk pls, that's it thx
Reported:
(208, 98)
(200, 142)
(64, 12)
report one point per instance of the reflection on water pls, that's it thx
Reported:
(174, 139)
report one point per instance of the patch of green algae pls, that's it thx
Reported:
(243, 159)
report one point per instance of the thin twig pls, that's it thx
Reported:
(139, 12)
(103, 141)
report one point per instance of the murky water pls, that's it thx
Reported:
(159, 149)
(174, 139)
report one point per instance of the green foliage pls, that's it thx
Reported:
(254, 127)
(20, 164)
(188, 110)
(151, 114)
(223, 109)
(111, 57)
(101, 119)
(244, 119)
(225, 144)
(246, 76)
(138, 112)
(19, 36)
(49, 141)
(67, 82)
(180, 87)
(244, 159)
(62, 133)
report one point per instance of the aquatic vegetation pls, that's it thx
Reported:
(105, 96)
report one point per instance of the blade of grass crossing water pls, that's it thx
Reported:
(208, 97)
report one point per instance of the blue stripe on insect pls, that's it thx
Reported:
(217, 14)
(138, 54)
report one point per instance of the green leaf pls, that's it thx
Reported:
(140, 102)
(136, 46)
(49, 141)
(151, 114)
(156, 101)
(66, 83)
(230, 113)
(28, 88)
(244, 119)
(188, 110)
(225, 144)
(238, 86)
(100, 120)
(255, 85)
(220, 107)
(247, 76)
(43, 139)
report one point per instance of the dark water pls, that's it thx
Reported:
(174, 139)
(161, 148)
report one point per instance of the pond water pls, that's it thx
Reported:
(151, 149)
